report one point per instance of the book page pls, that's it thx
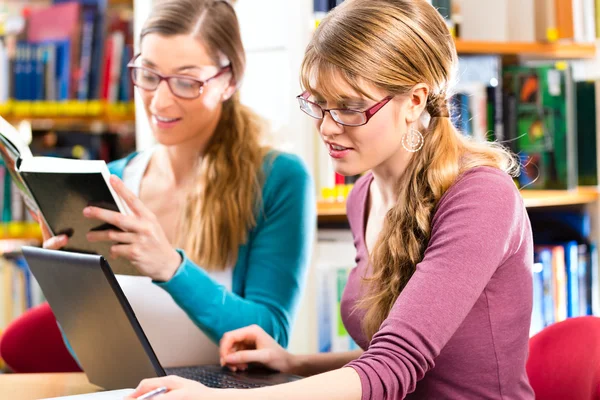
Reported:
(12, 150)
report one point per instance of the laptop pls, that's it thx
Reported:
(104, 333)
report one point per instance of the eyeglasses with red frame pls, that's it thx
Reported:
(342, 116)
(181, 86)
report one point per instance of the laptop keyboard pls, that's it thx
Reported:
(212, 378)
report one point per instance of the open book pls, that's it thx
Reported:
(59, 189)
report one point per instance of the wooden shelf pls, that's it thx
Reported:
(119, 124)
(336, 212)
(559, 51)
(557, 198)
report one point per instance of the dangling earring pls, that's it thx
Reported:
(412, 141)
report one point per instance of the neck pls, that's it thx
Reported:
(179, 161)
(387, 175)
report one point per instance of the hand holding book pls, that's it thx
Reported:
(56, 190)
(141, 239)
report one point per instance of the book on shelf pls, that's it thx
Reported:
(68, 51)
(58, 189)
(565, 274)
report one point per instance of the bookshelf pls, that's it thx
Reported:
(336, 211)
(547, 51)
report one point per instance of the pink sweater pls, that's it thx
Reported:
(460, 328)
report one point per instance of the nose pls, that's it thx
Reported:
(162, 97)
(328, 127)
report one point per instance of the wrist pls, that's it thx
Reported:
(296, 364)
(171, 267)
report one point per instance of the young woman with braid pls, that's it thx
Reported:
(222, 223)
(441, 297)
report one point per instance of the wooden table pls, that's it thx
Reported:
(39, 386)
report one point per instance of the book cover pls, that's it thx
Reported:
(59, 189)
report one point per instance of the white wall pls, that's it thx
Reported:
(275, 34)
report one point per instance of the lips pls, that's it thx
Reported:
(165, 119)
(337, 151)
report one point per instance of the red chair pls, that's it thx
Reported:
(33, 343)
(564, 360)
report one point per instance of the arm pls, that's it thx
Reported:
(341, 384)
(314, 364)
(277, 258)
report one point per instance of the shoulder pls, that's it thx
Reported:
(483, 190)
(487, 182)
(117, 167)
(285, 169)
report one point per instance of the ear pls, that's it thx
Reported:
(229, 90)
(417, 102)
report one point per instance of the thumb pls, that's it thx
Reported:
(262, 356)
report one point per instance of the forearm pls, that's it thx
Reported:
(342, 384)
(216, 310)
(313, 364)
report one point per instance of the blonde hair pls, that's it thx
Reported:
(223, 203)
(401, 43)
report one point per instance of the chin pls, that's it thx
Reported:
(345, 169)
(167, 139)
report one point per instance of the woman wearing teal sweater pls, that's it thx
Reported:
(208, 200)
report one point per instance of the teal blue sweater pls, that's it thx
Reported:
(270, 271)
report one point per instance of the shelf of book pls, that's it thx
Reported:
(121, 124)
(85, 116)
(560, 51)
(336, 211)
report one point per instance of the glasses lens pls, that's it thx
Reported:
(144, 78)
(349, 117)
(310, 108)
(187, 88)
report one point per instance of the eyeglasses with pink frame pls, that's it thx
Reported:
(342, 116)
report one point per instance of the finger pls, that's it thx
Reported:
(123, 250)
(247, 356)
(56, 242)
(232, 338)
(146, 385)
(237, 367)
(111, 236)
(132, 201)
(125, 222)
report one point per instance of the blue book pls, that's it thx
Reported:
(545, 258)
(572, 270)
(595, 280)
(18, 73)
(22, 265)
(63, 69)
(537, 312)
(40, 82)
(125, 78)
(85, 64)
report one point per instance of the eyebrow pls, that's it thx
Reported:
(182, 68)
(339, 98)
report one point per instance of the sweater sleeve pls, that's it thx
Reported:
(278, 255)
(476, 228)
